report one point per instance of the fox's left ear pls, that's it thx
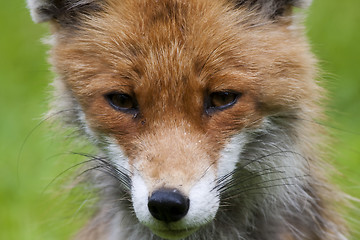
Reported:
(273, 8)
(61, 11)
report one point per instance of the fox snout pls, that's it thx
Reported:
(174, 185)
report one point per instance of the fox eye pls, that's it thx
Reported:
(222, 100)
(122, 102)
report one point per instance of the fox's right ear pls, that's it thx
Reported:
(61, 11)
(273, 8)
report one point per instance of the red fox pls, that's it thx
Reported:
(204, 113)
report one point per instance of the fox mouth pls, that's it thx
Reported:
(169, 233)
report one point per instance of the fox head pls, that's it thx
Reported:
(197, 104)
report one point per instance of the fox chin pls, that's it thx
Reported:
(203, 113)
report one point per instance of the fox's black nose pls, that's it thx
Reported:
(168, 205)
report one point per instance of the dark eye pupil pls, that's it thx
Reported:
(121, 102)
(222, 99)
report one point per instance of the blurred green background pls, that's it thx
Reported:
(32, 157)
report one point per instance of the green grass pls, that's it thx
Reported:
(28, 213)
(334, 29)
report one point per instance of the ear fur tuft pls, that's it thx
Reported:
(273, 8)
(63, 11)
(38, 10)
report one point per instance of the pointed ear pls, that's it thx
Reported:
(62, 11)
(273, 8)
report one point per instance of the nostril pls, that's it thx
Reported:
(168, 205)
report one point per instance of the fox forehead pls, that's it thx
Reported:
(171, 54)
(173, 43)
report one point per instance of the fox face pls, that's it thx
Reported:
(203, 110)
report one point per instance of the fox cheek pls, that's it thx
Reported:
(231, 153)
